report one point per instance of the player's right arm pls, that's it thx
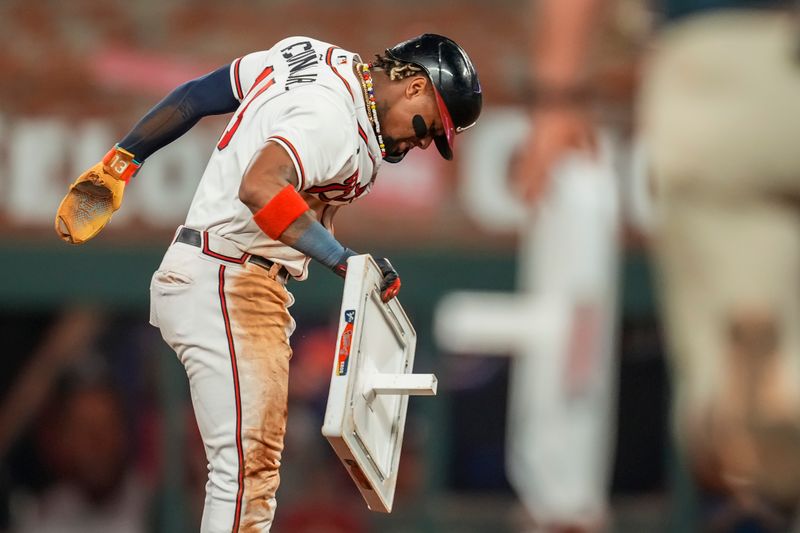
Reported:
(269, 190)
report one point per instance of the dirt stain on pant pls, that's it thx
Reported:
(261, 325)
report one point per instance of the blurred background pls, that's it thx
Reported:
(96, 428)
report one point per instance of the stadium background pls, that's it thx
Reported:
(76, 75)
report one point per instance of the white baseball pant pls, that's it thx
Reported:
(227, 320)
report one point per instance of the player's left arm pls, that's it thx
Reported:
(179, 111)
(97, 193)
(268, 189)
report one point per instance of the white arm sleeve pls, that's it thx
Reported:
(245, 70)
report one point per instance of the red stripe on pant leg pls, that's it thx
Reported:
(231, 349)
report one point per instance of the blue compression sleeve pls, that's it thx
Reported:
(180, 111)
(319, 244)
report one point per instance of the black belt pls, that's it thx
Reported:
(193, 237)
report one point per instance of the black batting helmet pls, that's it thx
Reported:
(455, 82)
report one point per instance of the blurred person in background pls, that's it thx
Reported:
(720, 117)
(83, 441)
(63, 433)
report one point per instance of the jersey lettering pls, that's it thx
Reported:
(299, 57)
(347, 191)
(288, 52)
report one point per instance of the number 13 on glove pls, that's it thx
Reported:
(94, 196)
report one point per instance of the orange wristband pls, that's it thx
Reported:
(279, 213)
(121, 164)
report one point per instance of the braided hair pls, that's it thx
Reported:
(396, 70)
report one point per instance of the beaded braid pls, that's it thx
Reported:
(396, 70)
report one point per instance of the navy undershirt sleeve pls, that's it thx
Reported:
(318, 243)
(180, 111)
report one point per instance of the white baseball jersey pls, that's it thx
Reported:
(303, 95)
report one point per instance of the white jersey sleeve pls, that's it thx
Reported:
(245, 70)
(316, 131)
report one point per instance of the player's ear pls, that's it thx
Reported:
(416, 86)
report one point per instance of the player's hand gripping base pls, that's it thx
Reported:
(391, 279)
(390, 285)
(94, 196)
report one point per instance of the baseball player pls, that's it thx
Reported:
(312, 124)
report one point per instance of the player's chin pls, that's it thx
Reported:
(394, 157)
(395, 150)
